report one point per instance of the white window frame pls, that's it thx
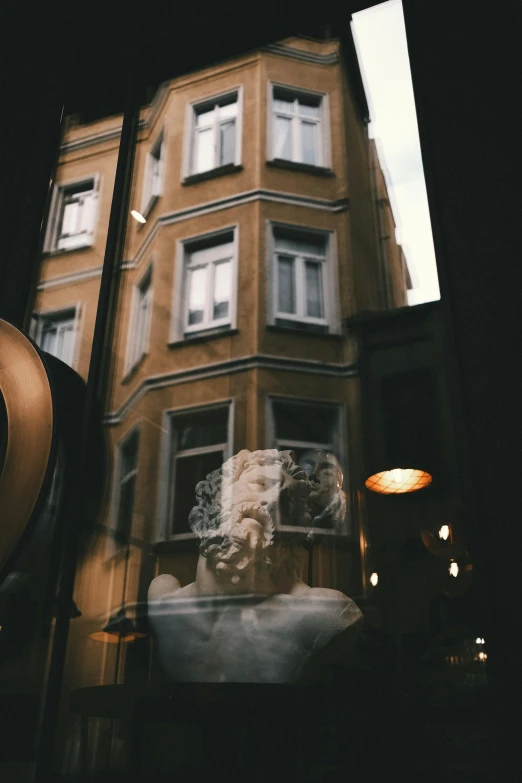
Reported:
(337, 444)
(41, 318)
(85, 239)
(138, 339)
(153, 186)
(324, 152)
(169, 456)
(190, 131)
(330, 277)
(180, 330)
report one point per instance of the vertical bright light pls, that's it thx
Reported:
(444, 532)
(453, 569)
(374, 579)
(380, 40)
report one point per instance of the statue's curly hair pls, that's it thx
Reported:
(216, 519)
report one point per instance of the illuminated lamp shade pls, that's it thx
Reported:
(398, 481)
(120, 628)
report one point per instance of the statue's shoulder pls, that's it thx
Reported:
(167, 586)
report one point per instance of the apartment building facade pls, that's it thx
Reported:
(260, 222)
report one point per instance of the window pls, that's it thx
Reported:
(299, 425)
(55, 333)
(205, 297)
(302, 292)
(127, 472)
(215, 137)
(298, 127)
(153, 178)
(73, 215)
(199, 444)
(140, 320)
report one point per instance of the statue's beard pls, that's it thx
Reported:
(243, 543)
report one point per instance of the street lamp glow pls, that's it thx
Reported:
(454, 569)
(444, 532)
(138, 216)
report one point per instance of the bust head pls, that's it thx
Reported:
(239, 507)
(327, 500)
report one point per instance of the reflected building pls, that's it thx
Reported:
(262, 223)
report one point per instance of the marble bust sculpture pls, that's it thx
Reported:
(249, 616)
(327, 500)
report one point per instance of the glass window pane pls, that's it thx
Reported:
(71, 214)
(309, 143)
(283, 138)
(204, 150)
(285, 285)
(285, 105)
(227, 145)
(308, 245)
(228, 110)
(314, 289)
(48, 342)
(309, 107)
(64, 343)
(308, 423)
(126, 508)
(189, 471)
(197, 295)
(208, 428)
(204, 118)
(222, 290)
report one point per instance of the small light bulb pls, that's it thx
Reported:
(479, 640)
(482, 656)
(444, 532)
(138, 216)
(454, 569)
(374, 578)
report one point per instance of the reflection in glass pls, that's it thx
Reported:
(286, 285)
(283, 138)
(222, 290)
(197, 295)
(314, 290)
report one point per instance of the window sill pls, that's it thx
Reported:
(283, 327)
(220, 171)
(61, 250)
(203, 336)
(291, 165)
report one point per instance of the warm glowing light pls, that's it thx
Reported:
(374, 578)
(444, 532)
(398, 480)
(482, 656)
(479, 640)
(453, 568)
(138, 216)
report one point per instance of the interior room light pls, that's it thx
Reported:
(444, 532)
(482, 656)
(374, 578)
(398, 481)
(120, 628)
(453, 569)
(138, 216)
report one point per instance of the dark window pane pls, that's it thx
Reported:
(309, 423)
(227, 142)
(314, 290)
(286, 285)
(190, 470)
(203, 429)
